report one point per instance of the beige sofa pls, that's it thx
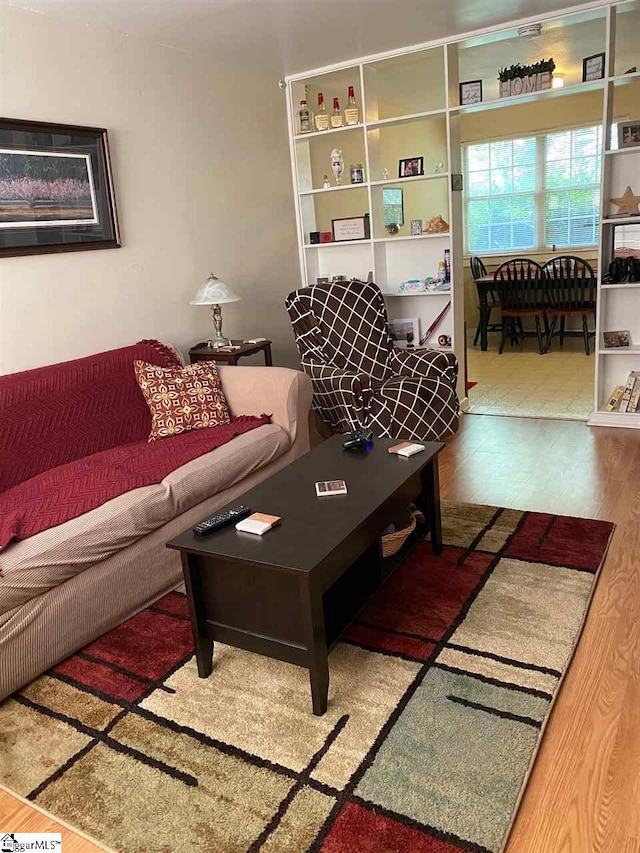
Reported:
(65, 586)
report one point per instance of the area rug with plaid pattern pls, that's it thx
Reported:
(438, 698)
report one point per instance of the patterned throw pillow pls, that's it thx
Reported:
(182, 399)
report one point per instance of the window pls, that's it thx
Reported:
(533, 192)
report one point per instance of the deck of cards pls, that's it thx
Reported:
(406, 448)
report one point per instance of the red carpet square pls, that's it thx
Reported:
(96, 676)
(376, 638)
(426, 593)
(358, 830)
(149, 644)
(577, 543)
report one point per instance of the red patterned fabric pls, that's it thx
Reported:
(60, 494)
(182, 399)
(57, 414)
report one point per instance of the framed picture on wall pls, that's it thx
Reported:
(628, 134)
(56, 189)
(471, 92)
(593, 67)
(411, 167)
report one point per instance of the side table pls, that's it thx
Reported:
(201, 352)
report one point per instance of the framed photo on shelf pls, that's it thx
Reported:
(350, 228)
(405, 331)
(56, 189)
(628, 134)
(410, 167)
(613, 340)
(593, 67)
(471, 92)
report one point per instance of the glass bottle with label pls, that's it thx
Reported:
(351, 111)
(322, 116)
(336, 115)
(304, 118)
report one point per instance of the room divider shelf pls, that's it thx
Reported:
(409, 103)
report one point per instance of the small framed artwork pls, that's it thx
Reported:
(628, 134)
(411, 167)
(56, 189)
(416, 227)
(471, 92)
(405, 332)
(350, 228)
(612, 340)
(593, 67)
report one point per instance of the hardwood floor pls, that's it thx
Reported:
(584, 792)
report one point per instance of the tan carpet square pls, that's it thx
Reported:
(225, 812)
(276, 722)
(300, 824)
(33, 746)
(529, 612)
(461, 525)
(501, 671)
(76, 704)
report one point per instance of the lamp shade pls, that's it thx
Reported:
(213, 292)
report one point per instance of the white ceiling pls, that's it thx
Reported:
(289, 36)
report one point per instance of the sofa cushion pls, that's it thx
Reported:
(62, 493)
(46, 560)
(181, 398)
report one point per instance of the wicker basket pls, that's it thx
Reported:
(392, 542)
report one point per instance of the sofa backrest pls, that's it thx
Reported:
(55, 414)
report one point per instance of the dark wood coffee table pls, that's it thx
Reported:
(290, 593)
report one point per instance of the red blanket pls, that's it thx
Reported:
(65, 492)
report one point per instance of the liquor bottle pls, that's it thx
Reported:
(322, 116)
(447, 265)
(351, 111)
(304, 118)
(336, 116)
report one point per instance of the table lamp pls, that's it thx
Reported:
(215, 293)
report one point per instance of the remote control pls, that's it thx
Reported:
(221, 520)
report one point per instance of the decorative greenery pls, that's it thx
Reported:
(518, 70)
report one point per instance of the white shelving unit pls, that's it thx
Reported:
(618, 303)
(423, 119)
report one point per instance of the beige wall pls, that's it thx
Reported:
(203, 183)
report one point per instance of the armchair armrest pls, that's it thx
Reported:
(425, 362)
(283, 393)
(341, 398)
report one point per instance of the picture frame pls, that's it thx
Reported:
(470, 92)
(629, 134)
(56, 189)
(400, 328)
(593, 67)
(416, 227)
(614, 340)
(393, 206)
(411, 167)
(350, 228)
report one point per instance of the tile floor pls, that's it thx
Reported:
(523, 383)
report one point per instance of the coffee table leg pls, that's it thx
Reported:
(429, 503)
(203, 643)
(318, 665)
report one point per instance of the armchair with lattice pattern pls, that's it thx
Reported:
(359, 378)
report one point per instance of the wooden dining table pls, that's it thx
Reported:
(484, 285)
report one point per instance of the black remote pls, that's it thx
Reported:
(215, 522)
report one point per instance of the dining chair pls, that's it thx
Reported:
(571, 292)
(520, 283)
(478, 270)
